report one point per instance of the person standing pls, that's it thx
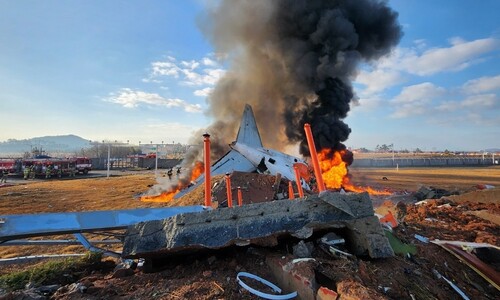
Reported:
(32, 172)
(26, 172)
(48, 171)
(5, 174)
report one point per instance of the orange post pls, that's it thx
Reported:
(314, 158)
(228, 191)
(297, 179)
(240, 197)
(291, 195)
(206, 153)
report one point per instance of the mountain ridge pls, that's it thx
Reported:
(49, 143)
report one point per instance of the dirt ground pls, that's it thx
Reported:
(470, 216)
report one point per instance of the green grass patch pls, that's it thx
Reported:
(52, 272)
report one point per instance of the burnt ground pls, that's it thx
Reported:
(469, 216)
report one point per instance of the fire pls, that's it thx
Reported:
(335, 173)
(182, 184)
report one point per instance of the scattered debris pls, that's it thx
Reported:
(389, 218)
(432, 193)
(399, 247)
(274, 287)
(484, 186)
(456, 288)
(423, 239)
(463, 251)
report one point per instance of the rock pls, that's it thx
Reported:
(124, 269)
(120, 273)
(29, 294)
(48, 289)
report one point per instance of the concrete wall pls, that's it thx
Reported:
(422, 162)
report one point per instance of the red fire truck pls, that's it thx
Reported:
(12, 165)
(83, 164)
(57, 167)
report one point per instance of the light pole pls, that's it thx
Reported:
(392, 152)
(156, 154)
(108, 162)
(109, 157)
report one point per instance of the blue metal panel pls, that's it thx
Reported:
(29, 225)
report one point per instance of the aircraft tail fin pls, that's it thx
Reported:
(248, 133)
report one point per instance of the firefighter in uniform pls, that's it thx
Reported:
(48, 171)
(26, 172)
(5, 173)
(32, 172)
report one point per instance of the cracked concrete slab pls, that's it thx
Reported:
(262, 224)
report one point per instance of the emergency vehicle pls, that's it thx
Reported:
(83, 164)
(10, 164)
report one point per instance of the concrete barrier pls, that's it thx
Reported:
(421, 162)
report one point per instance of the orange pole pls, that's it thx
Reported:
(240, 197)
(208, 187)
(314, 157)
(291, 196)
(229, 192)
(299, 185)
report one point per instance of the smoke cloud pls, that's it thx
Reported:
(293, 62)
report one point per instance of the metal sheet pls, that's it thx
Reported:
(29, 225)
(483, 269)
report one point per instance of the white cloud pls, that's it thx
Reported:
(192, 73)
(416, 99)
(475, 102)
(368, 103)
(209, 62)
(206, 77)
(419, 60)
(130, 99)
(190, 64)
(378, 80)
(203, 92)
(481, 85)
(459, 56)
(423, 92)
(485, 100)
(165, 68)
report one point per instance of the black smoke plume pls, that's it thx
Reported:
(293, 61)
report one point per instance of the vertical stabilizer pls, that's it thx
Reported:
(248, 133)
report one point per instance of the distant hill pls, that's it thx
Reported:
(49, 144)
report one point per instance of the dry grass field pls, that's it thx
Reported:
(187, 279)
(461, 179)
(120, 192)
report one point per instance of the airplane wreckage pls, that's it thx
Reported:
(156, 233)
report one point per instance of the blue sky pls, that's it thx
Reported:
(141, 70)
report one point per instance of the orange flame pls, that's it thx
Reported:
(335, 173)
(182, 184)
